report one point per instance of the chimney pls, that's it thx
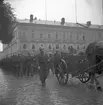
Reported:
(62, 21)
(31, 18)
(35, 18)
(88, 23)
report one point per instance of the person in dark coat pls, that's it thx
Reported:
(42, 62)
(51, 65)
(56, 59)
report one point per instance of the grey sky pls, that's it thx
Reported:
(56, 9)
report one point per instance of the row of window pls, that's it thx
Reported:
(50, 47)
(25, 46)
(57, 36)
(80, 35)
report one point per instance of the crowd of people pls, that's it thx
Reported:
(20, 65)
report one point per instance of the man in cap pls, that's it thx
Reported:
(42, 63)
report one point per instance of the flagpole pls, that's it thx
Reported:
(46, 10)
(76, 11)
(101, 12)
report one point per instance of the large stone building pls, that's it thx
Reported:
(29, 35)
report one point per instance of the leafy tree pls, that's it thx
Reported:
(7, 22)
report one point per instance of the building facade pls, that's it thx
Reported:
(29, 36)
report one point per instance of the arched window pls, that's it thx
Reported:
(41, 36)
(83, 37)
(57, 46)
(49, 36)
(50, 47)
(24, 46)
(64, 47)
(33, 46)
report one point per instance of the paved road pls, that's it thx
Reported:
(29, 92)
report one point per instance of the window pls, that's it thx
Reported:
(57, 46)
(49, 36)
(70, 35)
(49, 46)
(64, 47)
(56, 36)
(24, 46)
(33, 35)
(24, 36)
(23, 33)
(83, 37)
(77, 36)
(64, 36)
(99, 34)
(41, 36)
(33, 46)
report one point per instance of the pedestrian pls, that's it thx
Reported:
(56, 59)
(51, 64)
(42, 63)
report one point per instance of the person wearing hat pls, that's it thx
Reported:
(42, 62)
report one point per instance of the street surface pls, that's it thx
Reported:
(28, 91)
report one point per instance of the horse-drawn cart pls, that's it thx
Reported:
(76, 66)
(81, 66)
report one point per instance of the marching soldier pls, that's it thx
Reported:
(42, 63)
(56, 59)
(51, 65)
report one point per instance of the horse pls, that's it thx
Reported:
(92, 50)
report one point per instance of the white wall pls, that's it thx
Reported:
(24, 36)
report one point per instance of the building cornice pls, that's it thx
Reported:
(58, 26)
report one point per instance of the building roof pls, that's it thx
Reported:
(58, 23)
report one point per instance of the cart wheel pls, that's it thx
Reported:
(62, 77)
(84, 77)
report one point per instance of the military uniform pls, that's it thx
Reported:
(56, 59)
(42, 62)
(51, 65)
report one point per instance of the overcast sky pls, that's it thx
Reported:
(56, 9)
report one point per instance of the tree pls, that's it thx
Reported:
(7, 22)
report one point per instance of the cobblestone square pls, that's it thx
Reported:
(30, 92)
